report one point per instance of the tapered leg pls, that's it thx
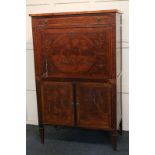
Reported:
(114, 140)
(41, 130)
(120, 127)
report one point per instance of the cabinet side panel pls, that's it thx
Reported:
(119, 100)
(119, 67)
(118, 44)
(37, 68)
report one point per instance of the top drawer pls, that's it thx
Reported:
(78, 20)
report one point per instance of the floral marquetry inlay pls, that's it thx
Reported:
(72, 53)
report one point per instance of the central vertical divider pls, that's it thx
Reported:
(75, 103)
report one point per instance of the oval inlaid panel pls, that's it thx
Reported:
(73, 53)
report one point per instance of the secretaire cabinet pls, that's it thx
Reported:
(78, 65)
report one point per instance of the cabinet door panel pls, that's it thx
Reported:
(57, 107)
(94, 105)
(77, 52)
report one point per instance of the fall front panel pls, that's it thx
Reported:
(77, 52)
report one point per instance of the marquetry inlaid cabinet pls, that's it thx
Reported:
(78, 69)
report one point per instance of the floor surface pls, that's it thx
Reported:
(68, 141)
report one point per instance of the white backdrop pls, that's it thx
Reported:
(46, 6)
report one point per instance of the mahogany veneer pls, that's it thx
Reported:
(78, 65)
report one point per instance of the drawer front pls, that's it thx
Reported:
(84, 20)
(77, 52)
(57, 103)
(94, 105)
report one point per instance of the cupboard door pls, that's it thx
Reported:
(57, 103)
(94, 105)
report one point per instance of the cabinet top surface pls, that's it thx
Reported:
(74, 13)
